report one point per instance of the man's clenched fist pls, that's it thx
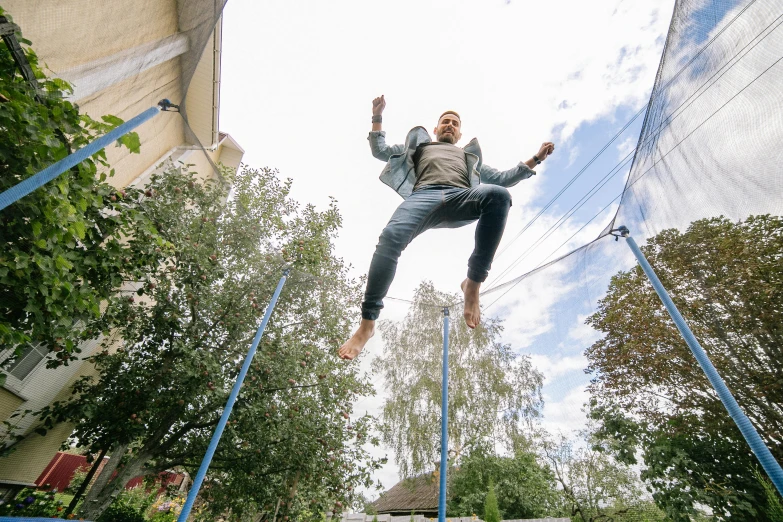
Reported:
(378, 104)
(546, 149)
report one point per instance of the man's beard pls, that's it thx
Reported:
(447, 138)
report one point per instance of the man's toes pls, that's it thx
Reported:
(469, 321)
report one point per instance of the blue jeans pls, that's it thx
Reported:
(437, 206)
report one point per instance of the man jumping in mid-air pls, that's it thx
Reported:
(443, 186)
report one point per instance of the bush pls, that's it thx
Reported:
(130, 506)
(166, 509)
(491, 511)
(32, 503)
(77, 480)
(121, 512)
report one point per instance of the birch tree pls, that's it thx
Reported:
(493, 391)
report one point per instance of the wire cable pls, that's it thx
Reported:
(570, 182)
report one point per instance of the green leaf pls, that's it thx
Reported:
(62, 263)
(3, 378)
(78, 227)
(131, 140)
(112, 120)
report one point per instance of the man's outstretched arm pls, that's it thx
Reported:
(377, 137)
(509, 178)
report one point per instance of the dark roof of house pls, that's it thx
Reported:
(419, 494)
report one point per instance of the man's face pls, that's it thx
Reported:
(449, 129)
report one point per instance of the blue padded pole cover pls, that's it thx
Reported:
(202, 470)
(752, 437)
(43, 177)
(444, 420)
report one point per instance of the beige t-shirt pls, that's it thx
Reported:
(439, 163)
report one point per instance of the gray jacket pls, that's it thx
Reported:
(399, 172)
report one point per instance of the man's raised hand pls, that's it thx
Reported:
(378, 104)
(546, 149)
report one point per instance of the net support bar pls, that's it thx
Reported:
(768, 462)
(444, 420)
(202, 470)
(43, 177)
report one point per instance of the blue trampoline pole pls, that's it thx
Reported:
(444, 421)
(768, 462)
(202, 470)
(43, 177)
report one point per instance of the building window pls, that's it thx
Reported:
(28, 360)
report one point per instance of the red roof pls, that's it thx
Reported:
(60, 470)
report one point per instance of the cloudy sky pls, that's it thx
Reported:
(298, 80)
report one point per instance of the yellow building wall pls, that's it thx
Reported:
(201, 93)
(31, 455)
(68, 33)
(8, 403)
(158, 135)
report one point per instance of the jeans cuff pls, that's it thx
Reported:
(370, 315)
(478, 276)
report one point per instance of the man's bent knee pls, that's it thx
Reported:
(392, 241)
(495, 194)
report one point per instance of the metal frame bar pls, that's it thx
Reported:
(444, 421)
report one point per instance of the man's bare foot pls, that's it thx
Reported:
(472, 311)
(351, 349)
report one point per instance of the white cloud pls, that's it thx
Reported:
(553, 367)
(625, 147)
(573, 154)
(567, 415)
(583, 333)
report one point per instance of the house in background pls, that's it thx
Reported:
(121, 58)
(417, 499)
(415, 495)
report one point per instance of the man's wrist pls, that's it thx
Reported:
(536, 159)
(377, 118)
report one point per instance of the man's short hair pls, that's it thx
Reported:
(449, 112)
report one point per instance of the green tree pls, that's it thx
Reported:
(492, 391)
(63, 250)
(491, 511)
(649, 393)
(290, 446)
(524, 488)
(594, 485)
